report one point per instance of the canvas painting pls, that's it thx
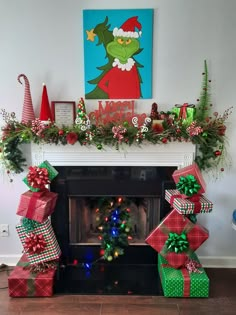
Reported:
(118, 53)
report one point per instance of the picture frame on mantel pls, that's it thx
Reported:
(63, 113)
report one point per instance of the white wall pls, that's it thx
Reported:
(43, 39)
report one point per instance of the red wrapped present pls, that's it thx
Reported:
(37, 206)
(176, 238)
(189, 181)
(41, 244)
(188, 206)
(23, 283)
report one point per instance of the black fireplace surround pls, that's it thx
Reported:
(135, 272)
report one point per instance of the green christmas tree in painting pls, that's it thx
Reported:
(120, 77)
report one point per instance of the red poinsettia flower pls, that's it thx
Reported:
(71, 137)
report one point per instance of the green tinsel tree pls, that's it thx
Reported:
(114, 226)
(203, 106)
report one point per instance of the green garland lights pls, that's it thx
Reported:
(206, 131)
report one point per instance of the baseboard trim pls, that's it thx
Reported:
(206, 261)
(218, 261)
(10, 260)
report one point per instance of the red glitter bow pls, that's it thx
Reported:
(119, 132)
(34, 244)
(38, 177)
(192, 266)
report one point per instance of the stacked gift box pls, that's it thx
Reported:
(179, 235)
(35, 272)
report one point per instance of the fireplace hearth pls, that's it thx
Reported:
(74, 223)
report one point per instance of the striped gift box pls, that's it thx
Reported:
(52, 250)
(186, 206)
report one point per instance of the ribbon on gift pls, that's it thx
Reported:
(165, 230)
(33, 201)
(183, 110)
(188, 185)
(186, 278)
(34, 243)
(177, 243)
(38, 177)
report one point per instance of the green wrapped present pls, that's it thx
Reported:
(186, 112)
(40, 179)
(182, 282)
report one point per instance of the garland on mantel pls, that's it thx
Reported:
(206, 130)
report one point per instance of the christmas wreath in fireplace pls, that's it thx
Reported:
(114, 226)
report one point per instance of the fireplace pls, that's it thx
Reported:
(85, 175)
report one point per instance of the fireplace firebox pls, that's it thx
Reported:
(74, 223)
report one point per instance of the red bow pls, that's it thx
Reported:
(34, 244)
(38, 177)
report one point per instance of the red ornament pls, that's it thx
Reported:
(71, 137)
(164, 140)
(61, 132)
(218, 153)
(222, 169)
(221, 130)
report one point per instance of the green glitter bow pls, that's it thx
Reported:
(29, 224)
(177, 243)
(188, 185)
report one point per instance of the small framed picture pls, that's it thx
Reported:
(63, 113)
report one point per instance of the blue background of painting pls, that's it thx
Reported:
(95, 56)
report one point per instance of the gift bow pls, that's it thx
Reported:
(118, 132)
(188, 185)
(177, 243)
(34, 244)
(38, 177)
(192, 266)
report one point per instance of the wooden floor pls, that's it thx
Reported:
(222, 300)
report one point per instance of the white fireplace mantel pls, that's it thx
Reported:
(177, 154)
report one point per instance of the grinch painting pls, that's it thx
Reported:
(127, 72)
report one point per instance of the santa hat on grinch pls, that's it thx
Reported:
(127, 29)
(45, 111)
(28, 109)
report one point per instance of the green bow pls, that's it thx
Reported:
(177, 243)
(29, 224)
(188, 185)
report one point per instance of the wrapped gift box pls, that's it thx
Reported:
(175, 222)
(186, 112)
(181, 283)
(50, 252)
(23, 283)
(37, 206)
(186, 206)
(52, 173)
(194, 170)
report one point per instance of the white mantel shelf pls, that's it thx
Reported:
(177, 154)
